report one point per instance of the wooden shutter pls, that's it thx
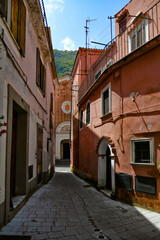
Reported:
(14, 19)
(22, 27)
(38, 67)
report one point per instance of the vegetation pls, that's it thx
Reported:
(64, 61)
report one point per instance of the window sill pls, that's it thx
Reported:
(109, 114)
(143, 164)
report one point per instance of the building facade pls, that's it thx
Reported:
(63, 118)
(27, 103)
(85, 58)
(118, 130)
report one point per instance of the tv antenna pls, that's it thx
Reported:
(86, 27)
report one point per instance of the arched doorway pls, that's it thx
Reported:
(106, 165)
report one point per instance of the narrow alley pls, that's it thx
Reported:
(68, 208)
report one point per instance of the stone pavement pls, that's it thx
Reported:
(68, 208)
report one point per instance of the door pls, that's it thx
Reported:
(108, 169)
(39, 153)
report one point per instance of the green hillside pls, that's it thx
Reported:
(64, 61)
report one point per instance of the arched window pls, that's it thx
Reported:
(88, 113)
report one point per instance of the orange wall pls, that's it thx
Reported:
(141, 117)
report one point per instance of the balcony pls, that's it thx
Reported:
(144, 28)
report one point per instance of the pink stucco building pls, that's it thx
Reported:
(115, 131)
(27, 102)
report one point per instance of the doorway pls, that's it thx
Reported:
(13, 155)
(66, 150)
(18, 163)
(106, 165)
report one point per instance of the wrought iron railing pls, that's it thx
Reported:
(43, 13)
(144, 28)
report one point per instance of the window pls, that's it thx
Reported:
(98, 74)
(139, 35)
(3, 8)
(142, 151)
(40, 73)
(106, 100)
(81, 120)
(18, 23)
(88, 114)
(122, 24)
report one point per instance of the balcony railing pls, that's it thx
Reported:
(144, 28)
(43, 13)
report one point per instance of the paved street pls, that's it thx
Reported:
(68, 208)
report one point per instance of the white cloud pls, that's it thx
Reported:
(68, 44)
(52, 5)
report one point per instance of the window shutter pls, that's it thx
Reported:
(14, 19)
(38, 67)
(22, 27)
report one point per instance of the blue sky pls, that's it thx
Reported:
(67, 19)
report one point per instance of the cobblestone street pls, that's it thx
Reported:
(68, 208)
